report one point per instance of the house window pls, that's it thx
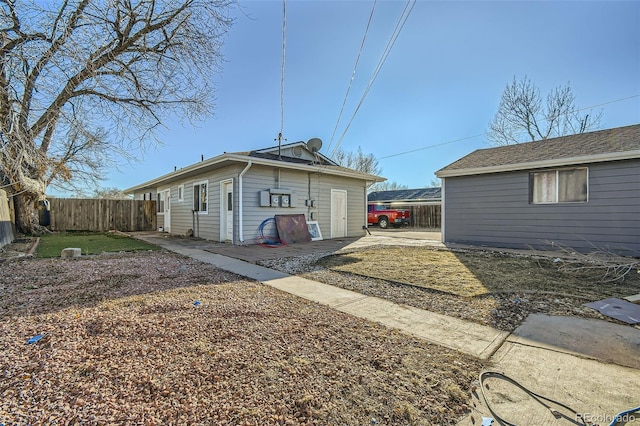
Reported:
(160, 203)
(180, 192)
(200, 197)
(559, 186)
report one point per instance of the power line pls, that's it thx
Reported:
(606, 103)
(394, 36)
(432, 146)
(284, 50)
(353, 74)
(485, 133)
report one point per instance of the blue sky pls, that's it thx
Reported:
(441, 82)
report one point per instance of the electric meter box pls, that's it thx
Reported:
(276, 197)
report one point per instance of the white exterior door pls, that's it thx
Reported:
(167, 210)
(226, 210)
(338, 213)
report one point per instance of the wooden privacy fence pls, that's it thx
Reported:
(79, 214)
(424, 216)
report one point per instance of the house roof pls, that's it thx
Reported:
(408, 195)
(273, 151)
(259, 157)
(620, 143)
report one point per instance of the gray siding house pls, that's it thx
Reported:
(580, 191)
(227, 197)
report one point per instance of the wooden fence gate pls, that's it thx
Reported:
(76, 214)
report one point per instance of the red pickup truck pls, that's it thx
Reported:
(381, 215)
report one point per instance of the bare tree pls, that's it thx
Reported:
(523, 116)
(82, 80)
(110, 193)
(365, 163)
(387, 186)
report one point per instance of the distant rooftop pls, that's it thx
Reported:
(407, 195)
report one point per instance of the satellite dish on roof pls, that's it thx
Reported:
(314, 144)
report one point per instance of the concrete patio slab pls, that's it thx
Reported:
(594, 389)
(592, 338)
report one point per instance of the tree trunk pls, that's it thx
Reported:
(26, 214)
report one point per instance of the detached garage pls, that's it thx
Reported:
(580, 191)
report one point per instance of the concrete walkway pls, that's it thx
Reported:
(468, 337)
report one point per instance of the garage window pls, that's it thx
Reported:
(559, 186)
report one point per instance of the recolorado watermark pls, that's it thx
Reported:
(607, 419)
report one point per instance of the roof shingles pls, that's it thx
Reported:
(621, 139)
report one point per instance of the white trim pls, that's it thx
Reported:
(557, 162)
(181, 192)
(200, 182)
(240, 202)
(346, 213)
(312, 225)
(223, 212)
(557, 186)
(157, 200)
(166, 211)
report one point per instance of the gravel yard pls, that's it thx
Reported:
(125, 341)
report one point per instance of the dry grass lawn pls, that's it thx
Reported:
(125, 344)
(476, 273)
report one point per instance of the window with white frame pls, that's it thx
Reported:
(200, 197)
(180, 192)
(559, 186)
(160, 202)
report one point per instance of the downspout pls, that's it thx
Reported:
(240, 202)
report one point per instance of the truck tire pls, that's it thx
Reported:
(383, 222)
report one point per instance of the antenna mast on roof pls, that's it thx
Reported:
(280, 139)
(284, 44)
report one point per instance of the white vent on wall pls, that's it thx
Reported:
(297, 151)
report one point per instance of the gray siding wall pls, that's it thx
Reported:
(494, 210)
(207, 224)
(261, 178)
(356, 203)
(304, 186)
